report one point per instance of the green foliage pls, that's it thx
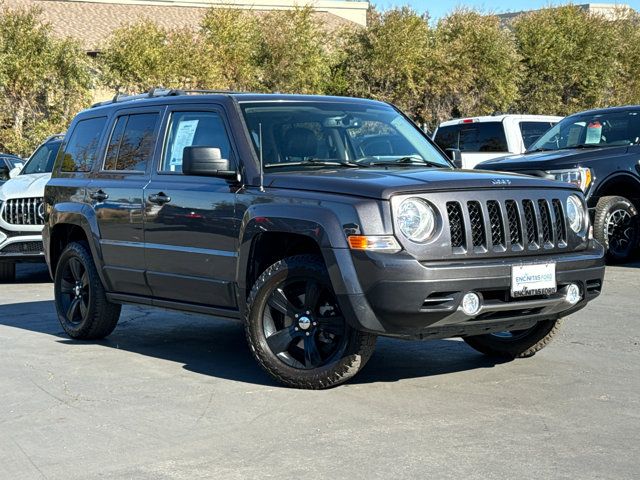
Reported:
(232, 39)
(390, 59)
(141, 56)
(294, 52)
(568, 57)
(44, 81)
(474, 67)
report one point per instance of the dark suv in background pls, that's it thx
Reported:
(598, 151)
(319, 222)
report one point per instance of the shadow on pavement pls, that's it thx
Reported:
(214, 347)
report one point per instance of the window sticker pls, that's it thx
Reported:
(184, 138)
(594, 132)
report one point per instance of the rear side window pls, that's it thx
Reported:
(186, 129)
(532, 131)
(473, 137)
(131, 144)
(82, 147)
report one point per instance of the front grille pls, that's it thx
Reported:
(23, 211)
(25, 248)
(510, 225)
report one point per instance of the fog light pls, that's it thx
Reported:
(471, 304)
(573, 294)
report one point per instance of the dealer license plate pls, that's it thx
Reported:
(534, 279)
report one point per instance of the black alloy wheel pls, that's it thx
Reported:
(74, 291)
(302, 323)
(296, 330)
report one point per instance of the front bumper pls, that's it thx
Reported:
(396, 295)
(17, 246)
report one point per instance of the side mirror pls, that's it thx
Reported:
(206, 161)
(456, 156)
(14, 172)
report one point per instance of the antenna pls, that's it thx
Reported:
(260, 157)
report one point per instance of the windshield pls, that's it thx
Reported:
(316, 134)
(42, 159)
(592, 130)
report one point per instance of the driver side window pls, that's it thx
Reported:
(186, 129)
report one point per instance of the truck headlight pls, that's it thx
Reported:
(580, 177)
(416, 219)
(576, 214)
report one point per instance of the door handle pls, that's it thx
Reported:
(159, 198)
(100, 195)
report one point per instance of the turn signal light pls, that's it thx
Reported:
(380, 243)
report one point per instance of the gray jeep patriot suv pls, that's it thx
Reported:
(319, 222)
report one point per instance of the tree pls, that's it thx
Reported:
(568, 57)
(294, 52)
(389, 59)
(142, 56)
(474, 67)
(44, 81)
(232, 39)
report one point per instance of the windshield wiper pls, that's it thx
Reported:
(409, 161)
(540, 149)
(317, 161)
(586, 145)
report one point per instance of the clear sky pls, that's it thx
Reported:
(438, 8)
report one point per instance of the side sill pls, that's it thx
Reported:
(123, 298)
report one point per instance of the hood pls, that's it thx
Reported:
(24, 186)
(382, 183)
(553, 160)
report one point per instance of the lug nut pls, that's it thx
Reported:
(308, 334)
(315, 323)
(296, 329)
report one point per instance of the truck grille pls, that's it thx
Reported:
(23, 211)
(514, 225)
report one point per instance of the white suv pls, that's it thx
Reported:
(484, 138)
(22, 210)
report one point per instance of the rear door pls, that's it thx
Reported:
(116, 194)
(191, 228)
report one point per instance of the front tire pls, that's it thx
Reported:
(295, 328)
(7, 272)
(515, 344)
(616, 227)
(83, 309)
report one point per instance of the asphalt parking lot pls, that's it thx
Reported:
(175, 396)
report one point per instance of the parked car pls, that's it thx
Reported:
(483, 138)
(598, 151)
(8, 163)
(274, 211)
(22, 210)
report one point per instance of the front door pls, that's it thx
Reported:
(117, 196)
(191, 227)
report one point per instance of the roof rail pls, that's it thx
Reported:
(156, 92)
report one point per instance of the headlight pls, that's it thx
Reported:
(580, 177)
(416, 219)
(576, 214)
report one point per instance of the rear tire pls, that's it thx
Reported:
(519, 344)
(296, 331)
(616, 227)
(83, 309)
(7, 272)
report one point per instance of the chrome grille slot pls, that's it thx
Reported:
(545, 220)
(23, 211)
(515, 230)
(495, 220)
(531, 223)
(477, 224)
(560, 226)
(456, 224)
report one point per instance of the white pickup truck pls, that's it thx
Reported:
(488, 137)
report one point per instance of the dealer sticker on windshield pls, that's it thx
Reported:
(535, 279)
